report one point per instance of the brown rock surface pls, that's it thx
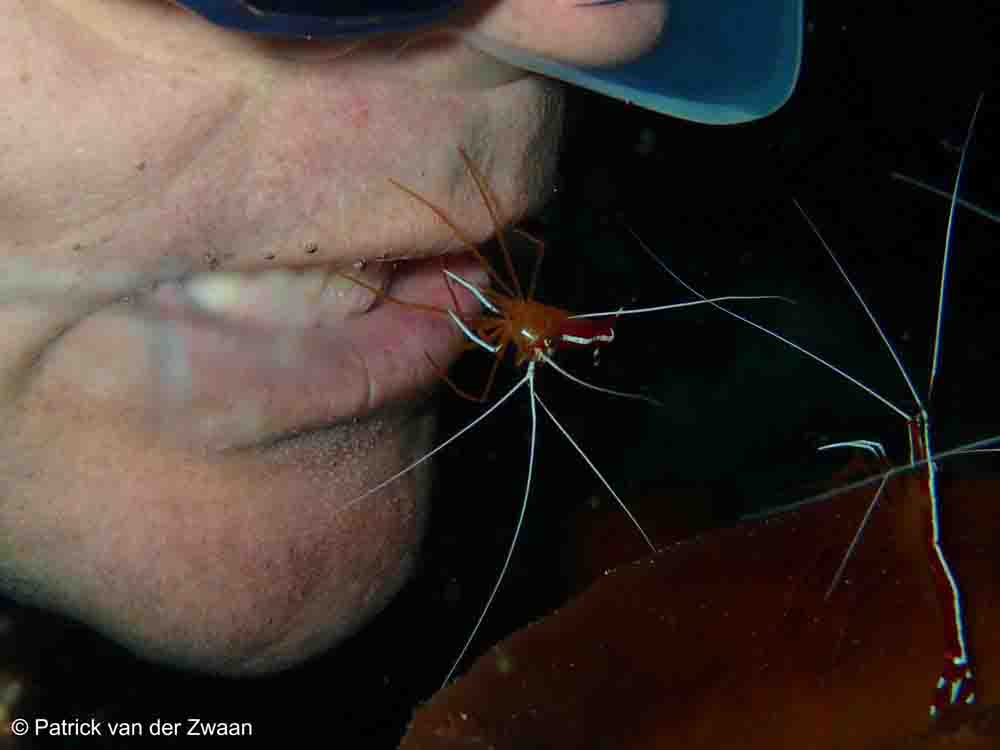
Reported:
(727, 641)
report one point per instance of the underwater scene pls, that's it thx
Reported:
(760, 621)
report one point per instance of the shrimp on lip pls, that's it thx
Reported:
(515, 320)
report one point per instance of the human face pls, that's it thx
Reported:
(190, 398)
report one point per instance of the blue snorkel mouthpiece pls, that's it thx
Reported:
(720, 62)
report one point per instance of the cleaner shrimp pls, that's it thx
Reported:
(956, 684)
(743, 410)
(513, 320)
(901, 258)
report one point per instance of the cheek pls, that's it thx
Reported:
(565, 30)
(80, 153)
(234, 562)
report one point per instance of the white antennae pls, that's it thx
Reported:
(857, 538)
(936, 357)
(600, 389)
(676, 305)
(976, 209)
(978, 446)
(864, 306)
(802, 350)
(597, 473)
(530, 379)
(442, 446)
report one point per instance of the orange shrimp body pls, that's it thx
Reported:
(531, 326)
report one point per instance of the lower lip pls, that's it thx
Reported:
(230, 385)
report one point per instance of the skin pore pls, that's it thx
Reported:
(190, 400)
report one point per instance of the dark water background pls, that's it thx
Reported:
(883, 89)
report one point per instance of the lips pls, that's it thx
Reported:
(234, 367)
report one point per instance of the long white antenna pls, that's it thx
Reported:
(442, 446)
(986, 445)
(854, 541)
(868, 312)
(829, 365)
(936, 358)
(677, 305)
(593, 468)
(600, 389)
(530, 379)
(978, 210)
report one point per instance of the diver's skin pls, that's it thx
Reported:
(176, 455)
